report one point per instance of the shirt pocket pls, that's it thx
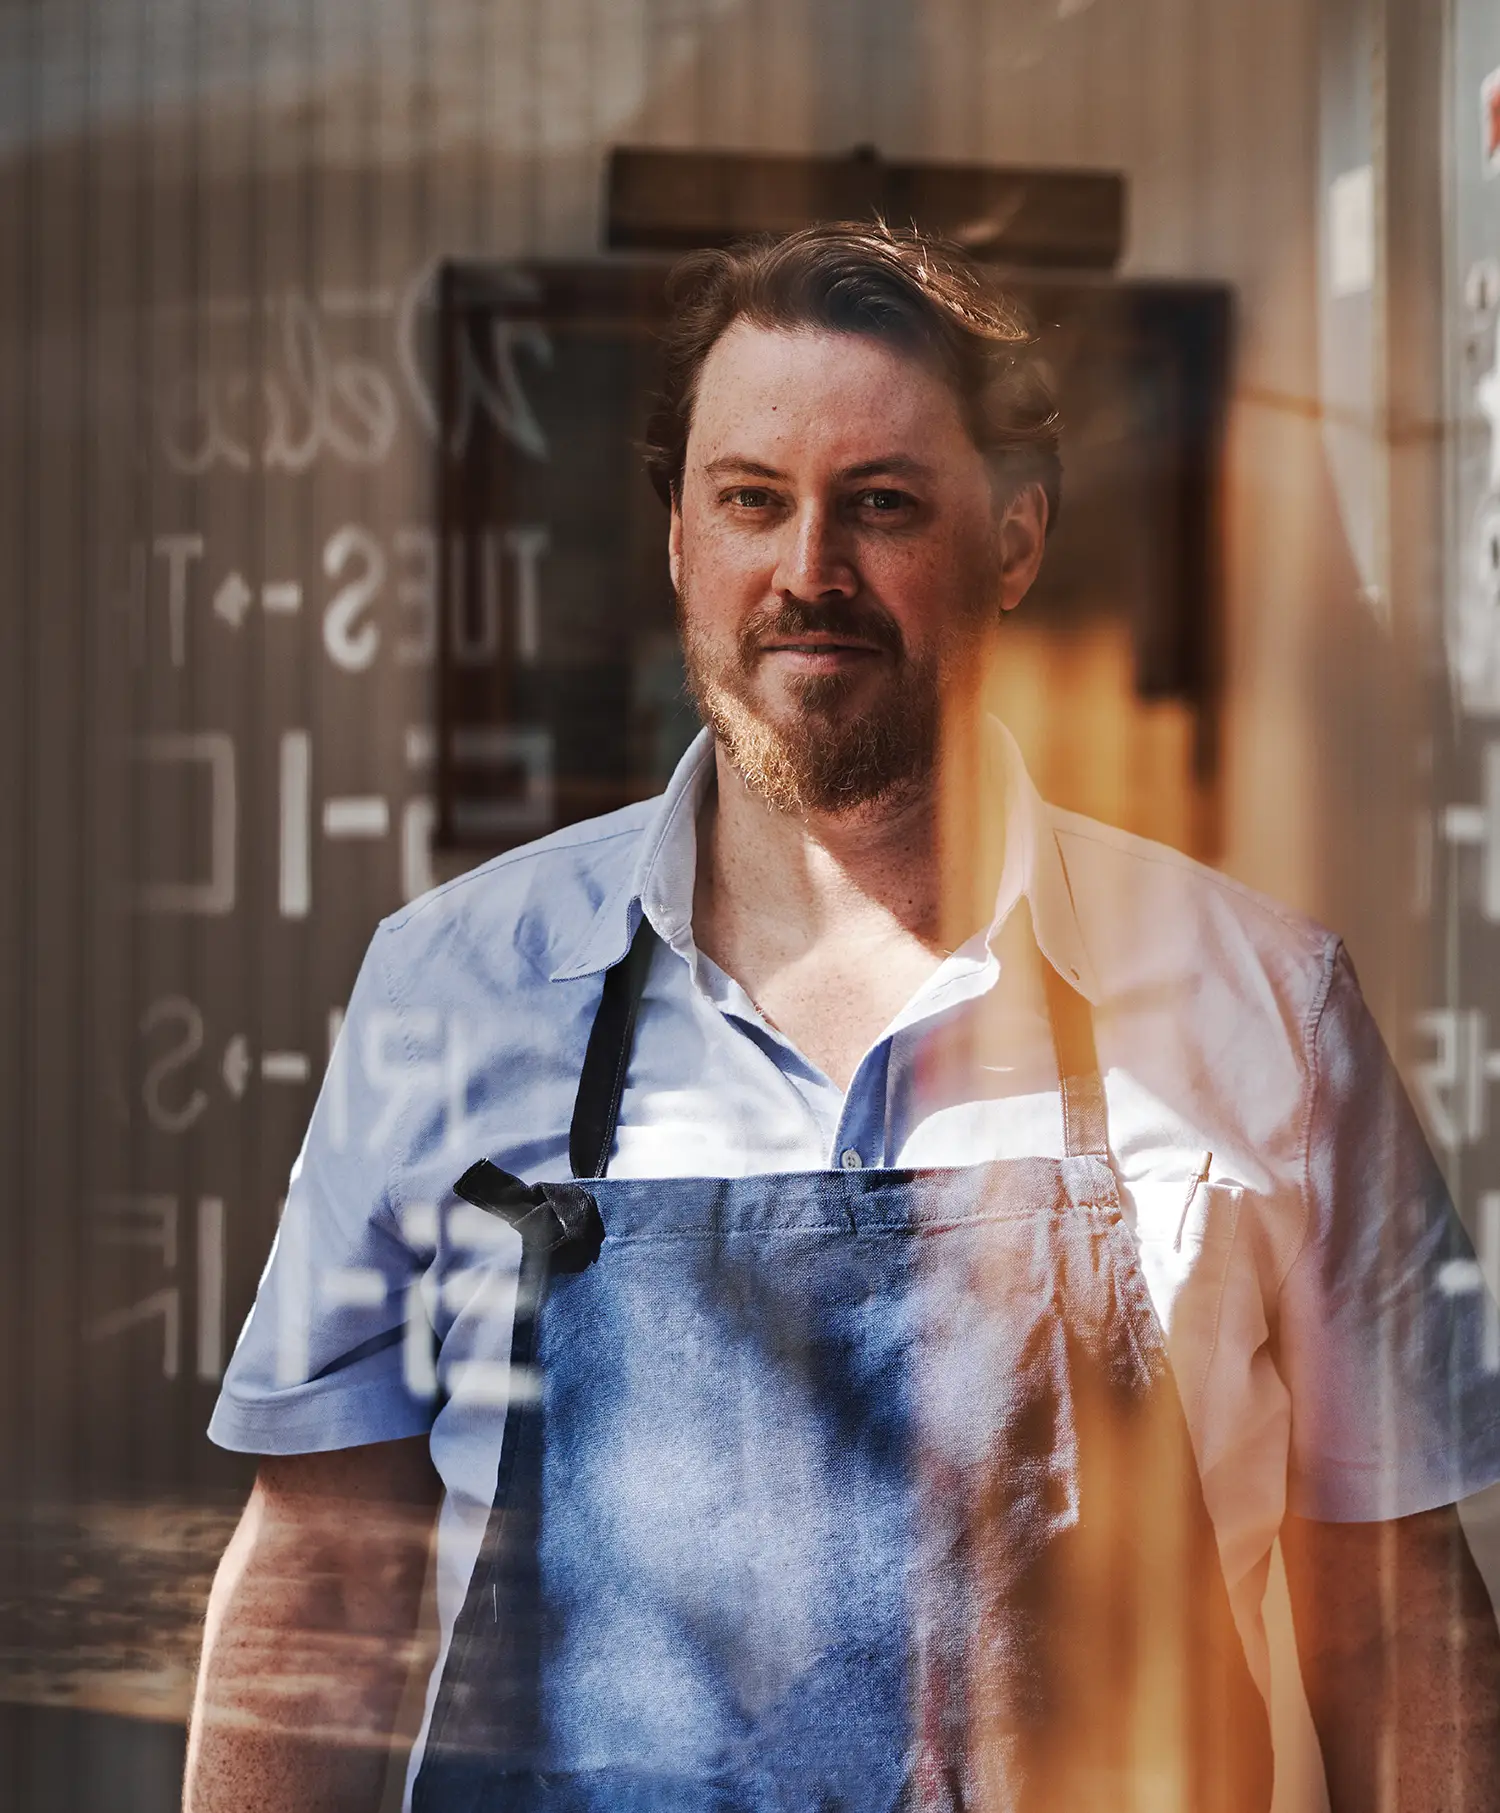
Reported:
(1185, 1230)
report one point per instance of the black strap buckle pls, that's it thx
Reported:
(559, 1223)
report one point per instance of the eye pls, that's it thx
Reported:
(884, 500)
(747, 497)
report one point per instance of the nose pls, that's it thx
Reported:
(815, 560)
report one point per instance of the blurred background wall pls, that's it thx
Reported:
(218, 229)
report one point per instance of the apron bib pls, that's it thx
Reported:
(843, 1492)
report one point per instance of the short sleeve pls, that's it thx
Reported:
(323, 1359)
(1385, 1330)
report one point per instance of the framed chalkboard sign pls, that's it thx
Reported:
(560, 682)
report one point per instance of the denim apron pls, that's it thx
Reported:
(841, 1492)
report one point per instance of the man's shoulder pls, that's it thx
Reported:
(535, 902)
(1146, 907)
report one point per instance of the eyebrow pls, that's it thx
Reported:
(897, 465)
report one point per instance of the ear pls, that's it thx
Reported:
(1023, 541)
(674, 542)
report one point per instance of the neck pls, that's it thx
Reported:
(910, 860)
(815, 871)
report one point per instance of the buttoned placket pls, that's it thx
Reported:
(866, 1134)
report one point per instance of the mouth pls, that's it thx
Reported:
(822, 650)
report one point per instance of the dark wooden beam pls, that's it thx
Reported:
(1053, 219)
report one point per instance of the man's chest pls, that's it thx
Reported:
(831, 1002)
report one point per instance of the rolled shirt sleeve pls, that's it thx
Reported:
(335, 1352)
(1386, 1331)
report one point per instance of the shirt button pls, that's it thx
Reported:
(850, 1159)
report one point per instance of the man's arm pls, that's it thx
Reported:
(1401, 1660)
(310, 1633)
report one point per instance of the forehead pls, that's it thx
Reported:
(766, 392)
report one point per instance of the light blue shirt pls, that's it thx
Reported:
(1293, 1230)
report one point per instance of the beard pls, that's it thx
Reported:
(821, 753)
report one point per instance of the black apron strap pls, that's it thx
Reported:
(1085, 1121)
(601, 1083)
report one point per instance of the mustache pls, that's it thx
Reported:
(858, 620)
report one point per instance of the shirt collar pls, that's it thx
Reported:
(660, 884)
(1033, 870)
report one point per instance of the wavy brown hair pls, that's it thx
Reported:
(900, 286)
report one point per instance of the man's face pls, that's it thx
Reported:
(838, 556)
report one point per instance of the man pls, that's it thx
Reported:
(896, 1255)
